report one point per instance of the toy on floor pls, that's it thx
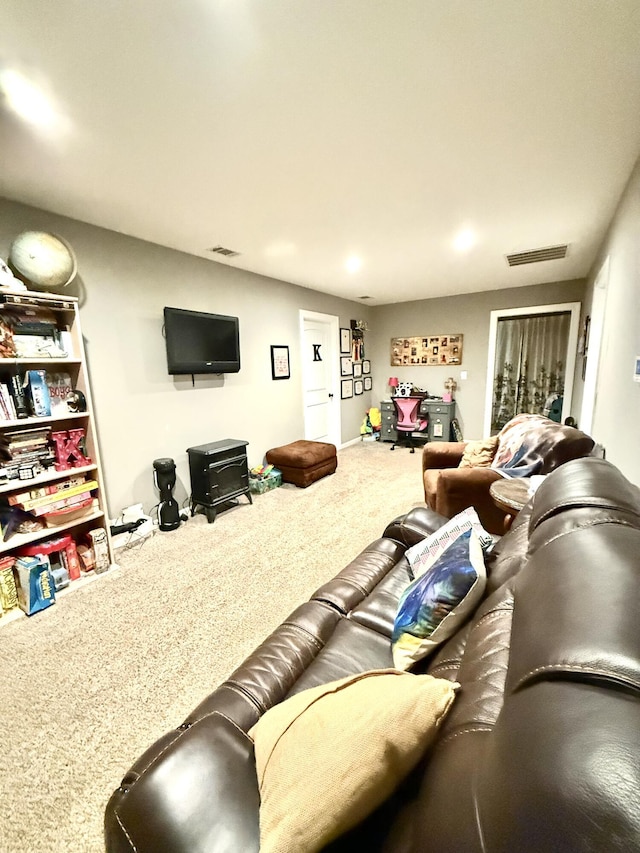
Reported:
(372, 424)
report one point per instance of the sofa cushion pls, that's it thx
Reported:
(479, 453)
(390, 716)
(436, 604)
(352, 648)
(378, 610)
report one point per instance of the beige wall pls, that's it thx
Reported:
(468, 315)
(142, 412)
(617, 410)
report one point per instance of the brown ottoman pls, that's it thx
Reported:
(304, 462)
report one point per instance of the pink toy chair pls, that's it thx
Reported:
(407, 419)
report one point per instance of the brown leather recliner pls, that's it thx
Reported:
(528, 444)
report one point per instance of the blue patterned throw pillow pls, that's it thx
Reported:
(433, 607)
(424, 554)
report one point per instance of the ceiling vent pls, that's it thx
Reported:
(220, 250)
(364, 297)
(536, 256)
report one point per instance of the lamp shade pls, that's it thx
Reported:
(393, 382)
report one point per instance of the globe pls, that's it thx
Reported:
(42, 261)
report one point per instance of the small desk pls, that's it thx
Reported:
(437, 413)
(510, 496)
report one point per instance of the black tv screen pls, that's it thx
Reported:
(201, 343)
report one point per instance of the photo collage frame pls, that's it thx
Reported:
(426, 350)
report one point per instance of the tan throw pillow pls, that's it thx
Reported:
(328, 756)
(479, 454)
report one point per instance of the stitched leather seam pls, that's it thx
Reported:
(334, 605)
(575, 667)
(127, 836)
(354, 584)
(206, 716)
(244, 692)
(229, 720)
(412, 528)
(584, 526)
(445, 665)
(448, 662)
(499, 611)
(306, 633)
(585, 504)
(161, 753)
(481, 727)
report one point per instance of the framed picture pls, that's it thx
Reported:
(366, 367)
(357, 369)
(357, 386)
(368, 383)
(345, 341)
(280, 362)
(346, 367)
(346, 389)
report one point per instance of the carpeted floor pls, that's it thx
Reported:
(93, 681)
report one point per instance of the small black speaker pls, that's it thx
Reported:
(164, 474)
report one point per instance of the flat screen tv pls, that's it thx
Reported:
(201, 343)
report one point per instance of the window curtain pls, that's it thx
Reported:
(530, 365)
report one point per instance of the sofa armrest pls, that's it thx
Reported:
(198, 794)
(414, 526)
(456, 489)
(442, 454)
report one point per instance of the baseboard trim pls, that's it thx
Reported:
(349, 443)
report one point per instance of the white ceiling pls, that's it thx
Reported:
(301, 132)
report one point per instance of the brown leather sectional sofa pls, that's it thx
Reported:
(540, 749)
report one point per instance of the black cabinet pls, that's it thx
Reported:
(219, 473)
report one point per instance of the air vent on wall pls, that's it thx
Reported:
(220, 250)
(535, 256)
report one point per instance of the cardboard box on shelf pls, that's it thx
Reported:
(35, 584)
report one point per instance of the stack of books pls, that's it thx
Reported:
(12, 400)
(66, 495)
(25, 453)
(35, 332)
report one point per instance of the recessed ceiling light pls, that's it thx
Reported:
(27, 100)
(353, 263)
(465, 240)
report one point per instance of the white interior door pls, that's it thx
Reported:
(319, 353)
